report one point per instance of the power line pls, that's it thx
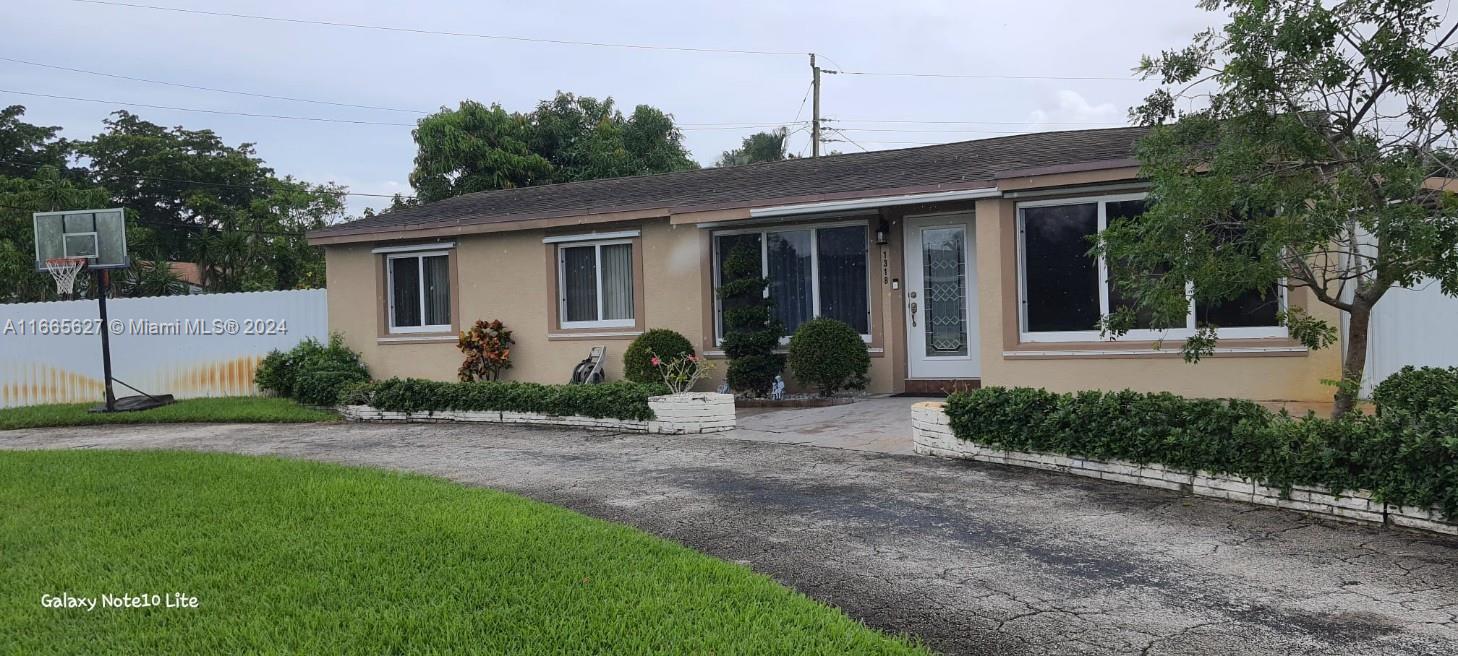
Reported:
(938, 131)
(412, 30)
(940, 122)
(213, 89)
(691, 127)
(212, 184)
(966, 76)
(317, 119)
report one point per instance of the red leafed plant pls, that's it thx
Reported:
(487, 346)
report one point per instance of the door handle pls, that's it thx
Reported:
(913, 314)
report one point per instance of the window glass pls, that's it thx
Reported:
(1125, 211)
(405, 291)
(944, 291)
(437, 290)
(617, 282)
(842, 263)
(788, 256)
(579, 283)
(1249, 310)
(727, 245)
(1060, 277)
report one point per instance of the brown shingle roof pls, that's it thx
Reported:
(928, 168)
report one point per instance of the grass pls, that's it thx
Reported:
(227, 409)
(298, 557)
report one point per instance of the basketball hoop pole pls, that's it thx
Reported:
(103, 289)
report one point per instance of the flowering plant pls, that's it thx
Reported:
(681, 374)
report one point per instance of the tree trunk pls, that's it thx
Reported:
(1355, 361)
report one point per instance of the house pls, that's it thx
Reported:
(960, 264)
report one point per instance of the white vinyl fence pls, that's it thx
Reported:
(1411, 327)
(187, 346)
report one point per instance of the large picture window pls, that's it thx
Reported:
(595, 284)
(420, 292)
(813, 271)
(1064, 290)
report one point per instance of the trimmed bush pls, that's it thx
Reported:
(828, 355)
(751, 333)
(311, 372)
(620, 400)
(638, 359)
(1418, 389)
(1404, 457)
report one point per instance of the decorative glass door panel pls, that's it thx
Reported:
(941, 297)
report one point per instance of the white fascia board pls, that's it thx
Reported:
(592, 236)
(870, 203)
(409, 248)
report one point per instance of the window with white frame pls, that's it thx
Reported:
(420, 292)
(813, 271)
(1064, 291)
(595, 284)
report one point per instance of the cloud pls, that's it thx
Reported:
(1072, 110)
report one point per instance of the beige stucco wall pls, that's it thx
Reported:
(504, 276)
(1261, 377)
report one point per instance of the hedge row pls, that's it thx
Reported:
(1406, 455)
(615, 400)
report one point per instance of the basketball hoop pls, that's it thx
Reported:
(65, 270)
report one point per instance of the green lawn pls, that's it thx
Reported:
(225, 409)
(298, 557)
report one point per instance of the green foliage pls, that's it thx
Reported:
(479, 148)
(1404, 456)
(1418, 390)
(146, 278)
(487, 346)
(829, 355)
(1304, 160)
(751, 333)
(758, 147)
(620, 400)
(193, 198)
(311, 372)
(638, 358)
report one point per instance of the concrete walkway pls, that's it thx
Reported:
(881, 424)
(972, 558)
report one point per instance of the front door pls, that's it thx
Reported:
(941, 297)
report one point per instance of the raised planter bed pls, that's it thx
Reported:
(932, 435)
(675, 414)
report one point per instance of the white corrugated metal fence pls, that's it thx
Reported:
(188, 346)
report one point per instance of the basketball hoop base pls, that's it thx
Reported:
(138, 402)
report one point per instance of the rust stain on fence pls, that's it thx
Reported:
(31, 384)
(38, 383)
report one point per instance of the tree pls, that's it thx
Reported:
(474, 148)
(46, 190)
(1317, 161)
(26, 148)
(758, 147)
(565, 139)
(191, 197)
(751, 333)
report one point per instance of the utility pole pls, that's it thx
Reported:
(815, 119)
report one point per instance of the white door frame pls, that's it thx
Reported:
(918, 364)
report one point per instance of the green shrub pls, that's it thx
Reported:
(829, 355)
(638, 359)
(621, 400)
(1404, 456)
(751, 333)
(1418, 389)
(311, 372)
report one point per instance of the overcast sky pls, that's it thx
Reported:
(423, 72)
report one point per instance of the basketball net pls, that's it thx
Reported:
(65, 270)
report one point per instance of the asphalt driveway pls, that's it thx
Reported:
(975, 559)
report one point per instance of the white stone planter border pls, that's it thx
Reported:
(932, 435)
(676, 414)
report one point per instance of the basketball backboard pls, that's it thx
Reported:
(100, 236)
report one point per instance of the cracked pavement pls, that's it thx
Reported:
(972, 558)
